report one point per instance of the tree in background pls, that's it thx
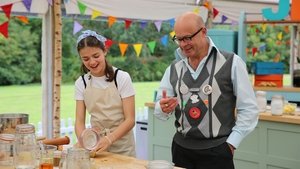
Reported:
(20, 54)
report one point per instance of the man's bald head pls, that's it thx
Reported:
(190, 18)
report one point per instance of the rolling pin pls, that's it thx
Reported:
(57, 141)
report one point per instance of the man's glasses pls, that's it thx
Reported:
(186, 39)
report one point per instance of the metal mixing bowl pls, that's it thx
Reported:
(9, 121)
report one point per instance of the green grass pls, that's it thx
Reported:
(28, 99)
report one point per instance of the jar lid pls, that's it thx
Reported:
(7, 137)
(260, 93)
(25, 128)
(89, 138)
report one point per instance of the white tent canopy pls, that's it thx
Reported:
(37, 6)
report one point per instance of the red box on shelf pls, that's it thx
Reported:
(272, 80)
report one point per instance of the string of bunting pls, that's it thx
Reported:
(111, 20)
(262, 47)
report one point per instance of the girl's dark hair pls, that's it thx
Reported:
(92, 41)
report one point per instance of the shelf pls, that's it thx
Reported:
(272, 22)
(281, 89)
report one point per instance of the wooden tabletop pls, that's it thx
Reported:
(108, 160)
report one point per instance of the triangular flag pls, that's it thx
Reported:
(151, 46)
(95, 14)
(264, 27)
(262, 47)
(286, 29)
(206, 5)
(224, 18)
(172, 22)
(27, 4)
(108, 43)
(111, 21)
(138, 47)
(77, 27)
(143, 24)
(164, 40)
(123, 48)
(50, 2)
(82, 7)
(4, 29)
(215, 12)
(172, 34)
(7, 10)
(254, 50)
(127, 23)
(158, 25)
(23, 19)
(279, 35)
(196, 10)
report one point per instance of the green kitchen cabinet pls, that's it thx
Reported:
(274, 144)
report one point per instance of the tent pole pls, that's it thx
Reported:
(57, 66)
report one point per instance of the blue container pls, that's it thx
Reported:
(265, 68)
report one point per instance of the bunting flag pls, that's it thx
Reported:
(158, 25)
(95, 14)
(7, 9)
(215, 12)
(111, 21)
(196, 10)
(224, 18)
(264, 27)
(151, 46)
(123, 48)
(254, 50)
(172, 34)
(206, 5)
(127, 23)
(50, 2)
(23, 19)
(164, 40)
(172, 22)
(286, 29)
(138, 47)
(27, 4)
(262, 47)
(279, 36)
(257, 30)
(4, 29)
(77, 27)
(143, 24)
(108, 43)
(81, 7)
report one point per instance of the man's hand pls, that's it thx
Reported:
(167, 104)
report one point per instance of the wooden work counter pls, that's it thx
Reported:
(110, 160)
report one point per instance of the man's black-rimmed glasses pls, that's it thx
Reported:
(186, 39)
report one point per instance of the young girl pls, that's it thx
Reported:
(107, 94)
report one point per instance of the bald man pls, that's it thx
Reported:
(204, 89)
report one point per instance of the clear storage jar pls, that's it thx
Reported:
(277, 104)
(25, 147)
(6, 149)
(261, 101)
(78, 158)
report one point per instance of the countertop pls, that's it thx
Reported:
(292, 119)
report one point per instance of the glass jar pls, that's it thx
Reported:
(277, 103)
(78, 158)
(25, 147)
(261, 101)
(6, 149)
(89, 138)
